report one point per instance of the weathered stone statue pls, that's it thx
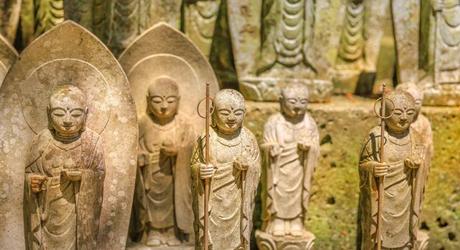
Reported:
(8, 56)
(234, 170)
(403, 168)
(9, 15)
(291, 145)
(53, 163)
(163, 189)
(422, 127)
(64, 177)
(283, 41)
(444, 89)
(39, 16)
(166, 82)
(350, 60)
(200, 20)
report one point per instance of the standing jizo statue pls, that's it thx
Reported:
(163, 204)
(291, 145)
(402, 168)
(64, 177)
(234, 173)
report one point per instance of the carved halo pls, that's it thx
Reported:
(65, 71)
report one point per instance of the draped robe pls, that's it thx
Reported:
(401, 210)
(65, 215)
(231, 202)
(289, 175)
(163, 187)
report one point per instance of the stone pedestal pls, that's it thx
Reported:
(267, 241)
(141, 246)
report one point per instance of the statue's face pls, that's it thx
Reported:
(403, 115)
(294, 104)
(67, 115)
(163, 106)
(229, 116)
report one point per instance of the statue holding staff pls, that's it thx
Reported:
(234, 173)
(402, 167)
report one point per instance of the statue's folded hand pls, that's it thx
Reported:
(207, 171)
(36, 183)
(379, 169)
(275, 150)
(412, 163)
(304, 146)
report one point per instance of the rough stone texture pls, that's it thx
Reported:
(334, 202)
(68, 53)
(262, 67)
(8, 56)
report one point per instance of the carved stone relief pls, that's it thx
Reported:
(8, 56)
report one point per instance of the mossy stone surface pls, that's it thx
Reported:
(343, 125)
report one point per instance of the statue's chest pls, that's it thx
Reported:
(397, 150)
(153, 137)
(226, 152)
(291, 134)
(56, 159)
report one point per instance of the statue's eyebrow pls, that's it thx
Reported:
(56, 108)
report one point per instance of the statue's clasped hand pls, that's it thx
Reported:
(304, 146)
(207, 171)
(275, 150)
(241, 164)
(412, 163)
(379, 169)
(169, 149)
(37, 183)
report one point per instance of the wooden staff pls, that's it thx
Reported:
(206, 181)
(381, 178)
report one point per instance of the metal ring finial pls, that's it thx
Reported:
(378, 113)
(211, 107)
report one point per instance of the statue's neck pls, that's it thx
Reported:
(293, 119)
(162, 122)
(397, 134)
(65, 138)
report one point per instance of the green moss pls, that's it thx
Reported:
(332, 214)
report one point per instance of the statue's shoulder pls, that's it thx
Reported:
(42, 138)
(273, 120)
(248, 136)
(375, 131)
(91, 136)
(184, 119)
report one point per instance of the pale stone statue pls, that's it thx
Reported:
(403, 168)
(163, 201)
(64, 177)
(291, 145)
(444, 89)
(234, 170)
(54, 194)
(422, 127)
(162, 210)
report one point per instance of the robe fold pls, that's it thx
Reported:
(65, 214)
(401, 210)
(232, 192)
(289, 175)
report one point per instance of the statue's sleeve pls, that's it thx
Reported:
(310, 162)
(197, 189)
(250, 185)
(89, 198)
(33, 203)
(183, 179)
(269, 139)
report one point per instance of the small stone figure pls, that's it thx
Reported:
(163, 204)
(64, 177)
(234, 171)
(422, 127)
(291, 145)
(403, 169)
